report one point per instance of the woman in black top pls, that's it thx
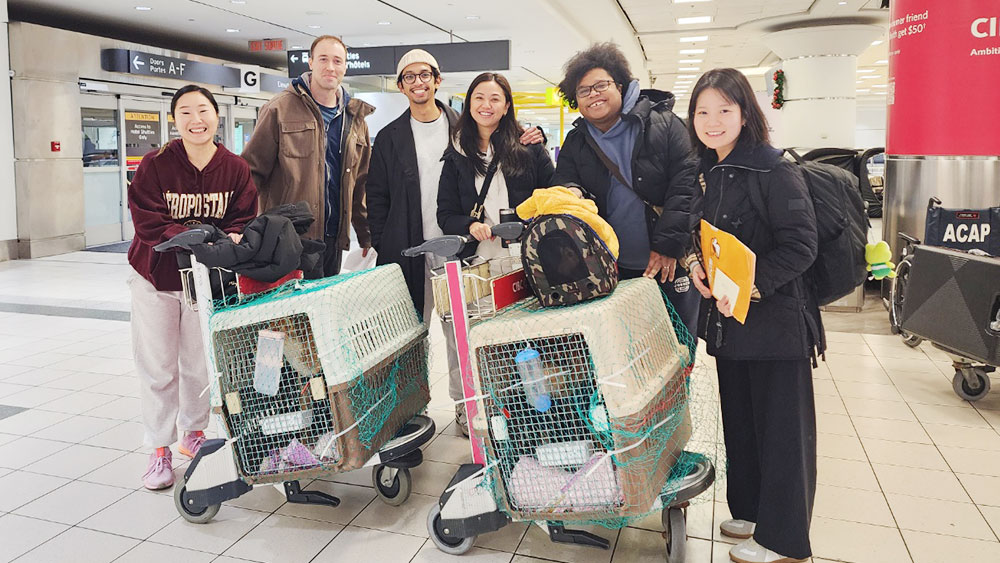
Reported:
(488, 133)
(765, 379)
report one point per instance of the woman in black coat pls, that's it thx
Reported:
(487, 138)
(764, 365)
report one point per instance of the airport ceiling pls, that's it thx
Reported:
(543, 33)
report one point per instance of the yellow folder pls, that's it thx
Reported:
(730, 267)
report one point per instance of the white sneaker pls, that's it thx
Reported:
(750, 551)
(739, 529)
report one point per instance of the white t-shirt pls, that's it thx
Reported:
(496, 199)
(430, 139)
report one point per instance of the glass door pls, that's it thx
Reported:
(103, 197)
(142, 124)
(244, 121)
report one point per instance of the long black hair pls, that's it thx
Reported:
(735, 88)
(507, 148)
(187, 90)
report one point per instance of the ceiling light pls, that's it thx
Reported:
(239, 1)
(871, 77)
(880, 94)
(231, 30)
(689, 61)
(472, 17)
(689, 68)
(882, 62)
(694, 19)
(385, 23)
(880, 86)
(143, 8)
(313, 26)
(877, 42)
(859, 82)
(693, 39)
(842, 3)
(863, 91)
(689, 1)
(864, 70)
(294, 47)
(367, 44)
(683, 82)
(692, 51)
(683, 76)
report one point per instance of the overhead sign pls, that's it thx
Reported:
(149, 64)
(262, 45)
(249, 79)
(453, 57)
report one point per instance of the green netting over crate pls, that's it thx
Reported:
(587, 410)
(315, 376)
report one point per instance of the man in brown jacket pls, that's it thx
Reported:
(311, 144)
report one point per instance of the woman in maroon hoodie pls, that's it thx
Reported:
(188, 181)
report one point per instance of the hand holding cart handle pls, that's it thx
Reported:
(449, 246)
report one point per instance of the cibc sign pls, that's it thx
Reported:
(943, 61)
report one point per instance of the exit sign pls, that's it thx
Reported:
(267, 45)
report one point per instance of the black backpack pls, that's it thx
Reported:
(841, 228)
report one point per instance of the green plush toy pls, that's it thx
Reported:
(877, 255)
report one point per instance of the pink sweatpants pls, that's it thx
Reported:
(170, 362)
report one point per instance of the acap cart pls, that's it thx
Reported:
(311, 379)
(595, 434)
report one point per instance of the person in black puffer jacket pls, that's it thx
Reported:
(765, 379)
(632, 155)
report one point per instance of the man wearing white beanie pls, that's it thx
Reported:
(403, 184)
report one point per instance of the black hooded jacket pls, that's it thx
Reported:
(785, 323)
(663, 169)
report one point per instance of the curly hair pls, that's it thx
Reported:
(601, 55)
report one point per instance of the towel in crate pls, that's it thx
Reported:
(584, 408)
(316, 376)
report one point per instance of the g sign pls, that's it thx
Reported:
(249, 79)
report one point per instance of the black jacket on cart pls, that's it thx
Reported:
(785, 323)
(393, 196)
(457, 193)
(663, 171)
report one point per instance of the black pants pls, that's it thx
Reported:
(769, 418)
(685, 302)
(332, 257)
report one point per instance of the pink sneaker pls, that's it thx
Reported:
(191, 443)
(160, 473)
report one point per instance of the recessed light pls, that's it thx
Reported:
(877, 42)
(694, 19)
(385, 23)
(692, 51)
(313, 26)
(683, 82)
(231, 30)
(239, 1)
(683, 76)
(689, 68)
(472, 17)
(842, 3)
(880, 86)
(859, 82)
(871, 77)
(689, 61)
(294, 47)
(881, 94)
(693, 39)
(865, 70)
(143, 8)
(882, 62)
(863, 91)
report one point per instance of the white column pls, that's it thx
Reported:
(820, 65)
(8, 196)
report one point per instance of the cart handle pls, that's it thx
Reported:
(450, 245)
(185, 240)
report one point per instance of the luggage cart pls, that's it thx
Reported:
(561, 468)
(311, 379)
(950, 297)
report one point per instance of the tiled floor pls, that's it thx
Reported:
(907, 471)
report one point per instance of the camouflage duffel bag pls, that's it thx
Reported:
(565, 261)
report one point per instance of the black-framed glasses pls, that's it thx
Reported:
(425, 76)
(599, 86)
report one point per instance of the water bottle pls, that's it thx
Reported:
(529, 367)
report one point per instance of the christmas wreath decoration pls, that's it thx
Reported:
(779, 89)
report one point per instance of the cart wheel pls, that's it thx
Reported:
(392, 489)
(448, 544)
(973, 392)
(897, 295)
(675, 533)
(183, 504)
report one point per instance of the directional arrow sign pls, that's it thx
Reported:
(137, 62)
(295, 58)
